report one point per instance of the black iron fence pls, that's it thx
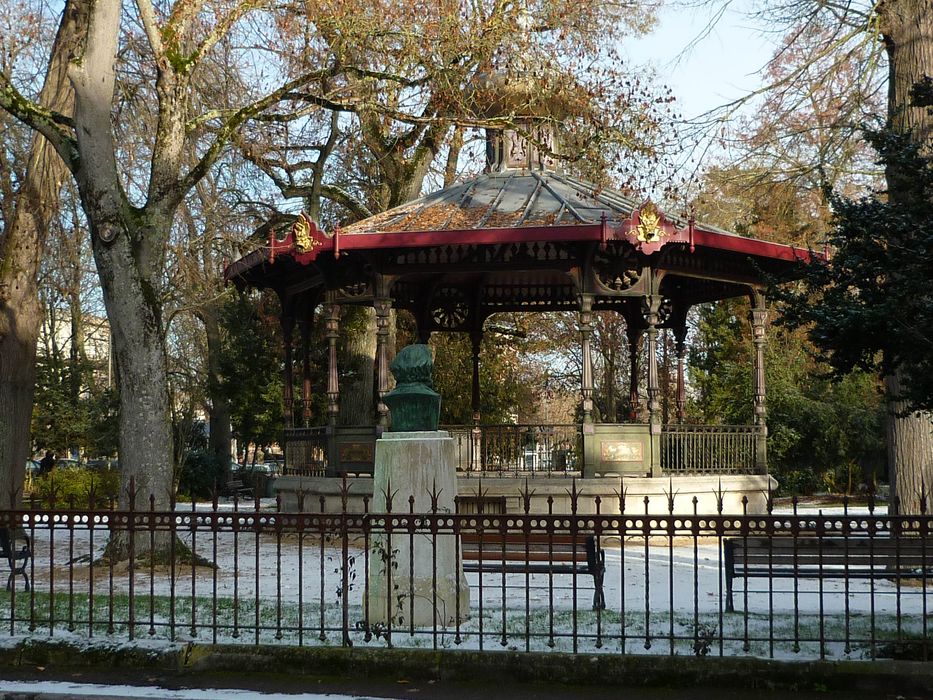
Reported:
(709, 449)
(532, 449)
(853, 582)
(306, 451)
(518, 449)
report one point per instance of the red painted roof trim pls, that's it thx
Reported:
(751, 246)
(481, 236)
(577, 232)
(527, 234)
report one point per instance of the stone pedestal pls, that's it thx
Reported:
(415, 579)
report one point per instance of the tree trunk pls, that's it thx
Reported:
(146, 440)
(357, 388)
(907, 29)
(21, 250)
(220, 408)
(910, 451)
(76, 351)
(128, 246)
(134, 311)
(453, 156)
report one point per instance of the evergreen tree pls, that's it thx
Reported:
(870, 305)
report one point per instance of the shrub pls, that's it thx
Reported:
(798, 482)
(72, 485)
(200, 473)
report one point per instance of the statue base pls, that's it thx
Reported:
(415, 580)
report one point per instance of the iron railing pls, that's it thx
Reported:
(518, 449)
(306, 451)
(248, 572)
(551, 450)
(708, 449)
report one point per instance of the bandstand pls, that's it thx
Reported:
(524, 236)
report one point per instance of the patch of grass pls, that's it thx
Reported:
(269, 621)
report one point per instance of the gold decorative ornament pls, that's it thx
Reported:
(649, 224)
(301, 234)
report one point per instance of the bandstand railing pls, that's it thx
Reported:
(518, 449)
(708, 449)
(551, 450)
(306, 451)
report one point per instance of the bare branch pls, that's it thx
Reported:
(340, 196)
(150, 25)
(57, 128)
(233, 122)
(221, 28)
(178, 21)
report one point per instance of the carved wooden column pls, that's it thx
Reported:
(758, 316)
(634, 334)
(332, 333)
(476, 341)
(288, 400)
(652, 305)
(585, 326)
(305, 324)
(383, 308)
(680, 336)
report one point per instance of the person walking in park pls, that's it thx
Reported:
(47, 463)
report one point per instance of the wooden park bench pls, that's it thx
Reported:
(15, 548)
(856, 557)
(536, 553)
(236, 488)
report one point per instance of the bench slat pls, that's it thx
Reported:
(546, 553)
(485, 567)
(854, 559)
(833, 544)
(534, 538)
(825, 558)
(498, 555)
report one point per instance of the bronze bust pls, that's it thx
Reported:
(413, 403)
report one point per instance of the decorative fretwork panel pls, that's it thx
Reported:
(450, 308)
(355, 290)
(508, 297)
(617, 269)
(534, 254)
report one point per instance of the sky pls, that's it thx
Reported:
(708, 55)
(704, 68)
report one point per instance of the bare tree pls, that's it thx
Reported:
(22, 246)
(407, 99)
(825, 81)
(130, 220)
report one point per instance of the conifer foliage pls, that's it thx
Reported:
(870, 304)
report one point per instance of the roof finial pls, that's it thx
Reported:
(522, 90)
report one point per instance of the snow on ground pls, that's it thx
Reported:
(134, 691)
(290, 589)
